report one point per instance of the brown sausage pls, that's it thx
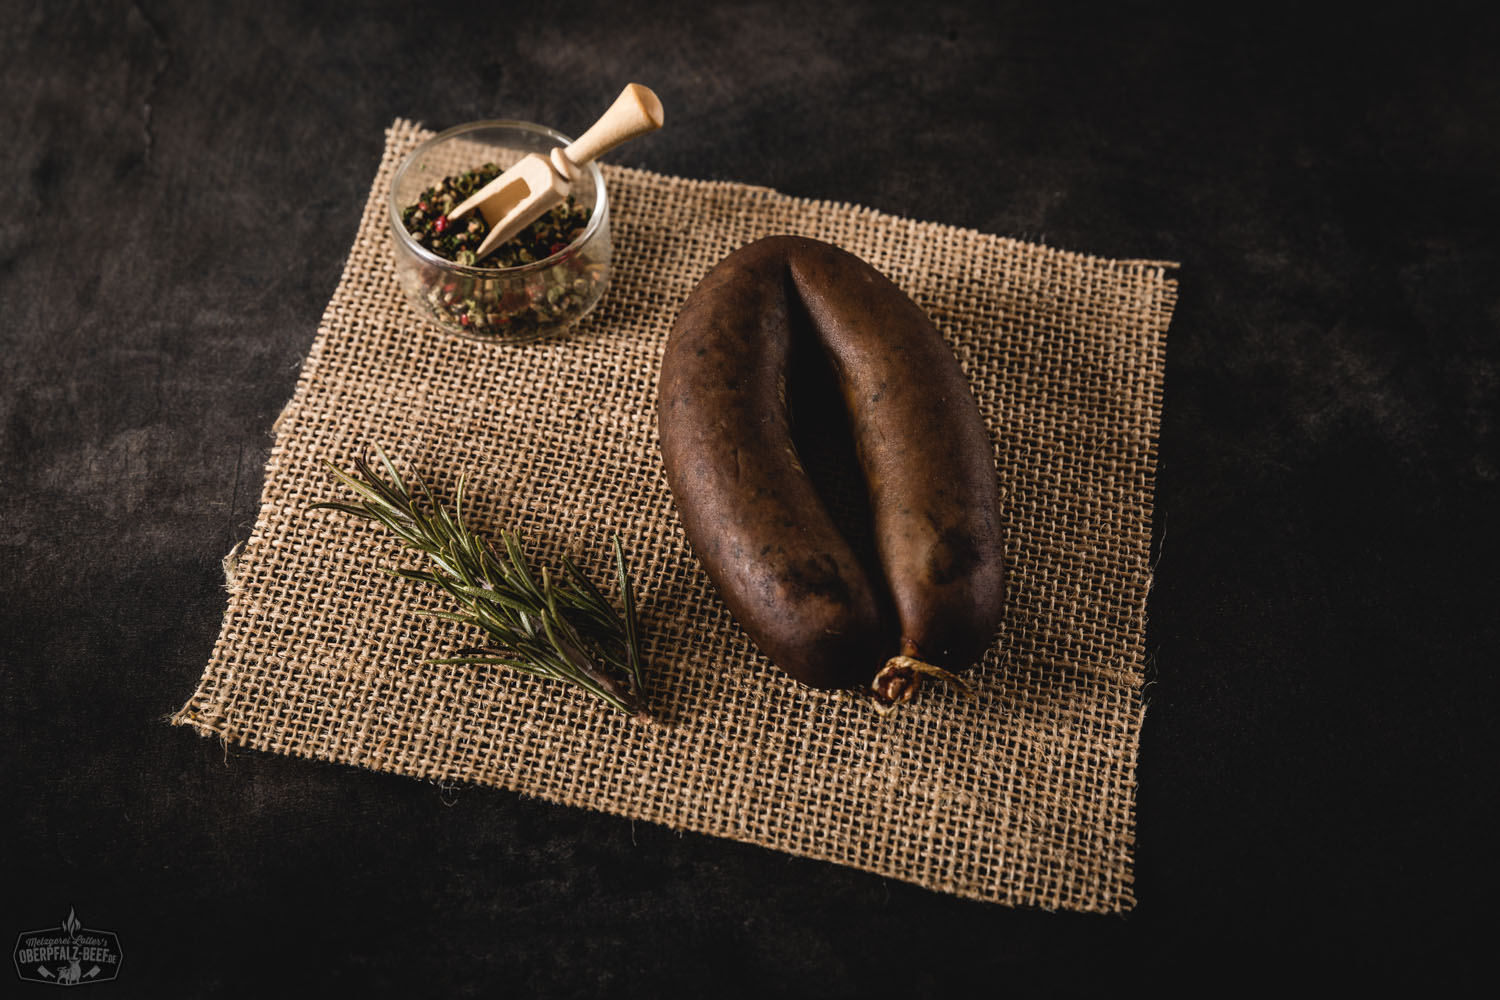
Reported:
(751, 512)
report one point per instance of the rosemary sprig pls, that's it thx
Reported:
(563, 628)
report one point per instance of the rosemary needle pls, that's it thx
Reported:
(560, 627)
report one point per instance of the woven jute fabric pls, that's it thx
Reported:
(1022, 794)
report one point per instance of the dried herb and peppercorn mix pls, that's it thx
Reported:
(489, 306)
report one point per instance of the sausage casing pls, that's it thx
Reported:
(749, 508)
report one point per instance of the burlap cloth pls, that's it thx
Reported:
(1021, 795)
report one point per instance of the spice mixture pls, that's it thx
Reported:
(508, 306)
(429, 225)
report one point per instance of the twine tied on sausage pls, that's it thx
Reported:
(1023, 794)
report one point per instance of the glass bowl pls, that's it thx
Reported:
(510, 304)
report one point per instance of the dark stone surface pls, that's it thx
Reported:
(183, 182)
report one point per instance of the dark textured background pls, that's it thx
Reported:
(182, 182)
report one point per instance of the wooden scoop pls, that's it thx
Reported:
(522, 194)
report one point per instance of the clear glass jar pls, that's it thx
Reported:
(509, 304)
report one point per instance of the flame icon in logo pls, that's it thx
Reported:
(71, 925)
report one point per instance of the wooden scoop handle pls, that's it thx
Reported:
(635, 112)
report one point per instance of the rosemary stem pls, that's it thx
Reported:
(558, 627)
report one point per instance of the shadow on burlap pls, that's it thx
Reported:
(1022, 795)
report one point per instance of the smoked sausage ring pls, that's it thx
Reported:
(749, 508)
